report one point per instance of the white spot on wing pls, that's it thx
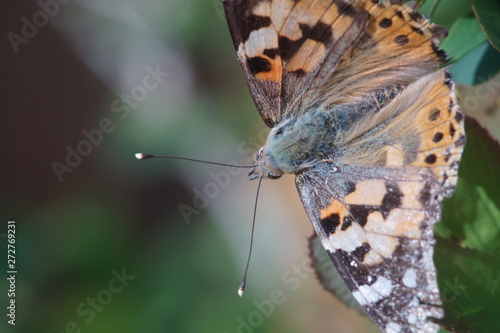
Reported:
(359, 297)
(393, 328)
(383, 245)
(262, 9)
(280, 11)
(412, 318)
(374, 293)
(410, 278)
(260, 40)
(349, 239)
(372, 258)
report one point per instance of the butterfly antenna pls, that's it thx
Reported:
(433, 9)
(141, 156)
(241, 288)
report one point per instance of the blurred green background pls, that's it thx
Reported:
(81, 222)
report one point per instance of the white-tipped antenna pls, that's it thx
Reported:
(241, 288)
(141, 156)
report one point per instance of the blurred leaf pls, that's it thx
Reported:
(464, 36)
(477, 66)
(469, 282)
(488, 14)
(446, 12)
(329, 276)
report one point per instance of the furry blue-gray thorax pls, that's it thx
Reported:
(294, 145)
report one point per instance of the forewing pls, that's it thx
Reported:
(287, 48)
(376, 225)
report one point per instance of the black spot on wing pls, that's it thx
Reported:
(346, 224)
(259, 65)
(416, 16)
(330, 223)
(385, 23)
(452, 130)
(442, 55)
(360, 213)
(320, 33)
(242, 21)
(459, 116)
(399, 14)
(445, 178)
(417, 30)
(438, 31)
(430, 159)
(352, 277)
(271, 53)
(401, 39)
(345, 8)
(257, 22)
(361, 251)
(425, 195)
(350, 187)
(437, 137)
(460, 141)
(392, 199)
(434, 114)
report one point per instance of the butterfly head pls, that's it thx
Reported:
(264, 166)
(289, 149)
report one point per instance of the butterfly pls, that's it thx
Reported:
(361, 113)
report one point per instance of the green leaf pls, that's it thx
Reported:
(472, 215)
(464, 36)
(477, 66)
(469, 284)
(446, 12)
(488, 14)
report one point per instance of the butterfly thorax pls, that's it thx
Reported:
(294, 145)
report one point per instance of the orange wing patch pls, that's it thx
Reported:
(441, 132)
(326, 21)
(369, 192)
(398, 30)
(293, 35)
(336, 208)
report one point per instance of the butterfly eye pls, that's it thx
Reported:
(279, 132)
